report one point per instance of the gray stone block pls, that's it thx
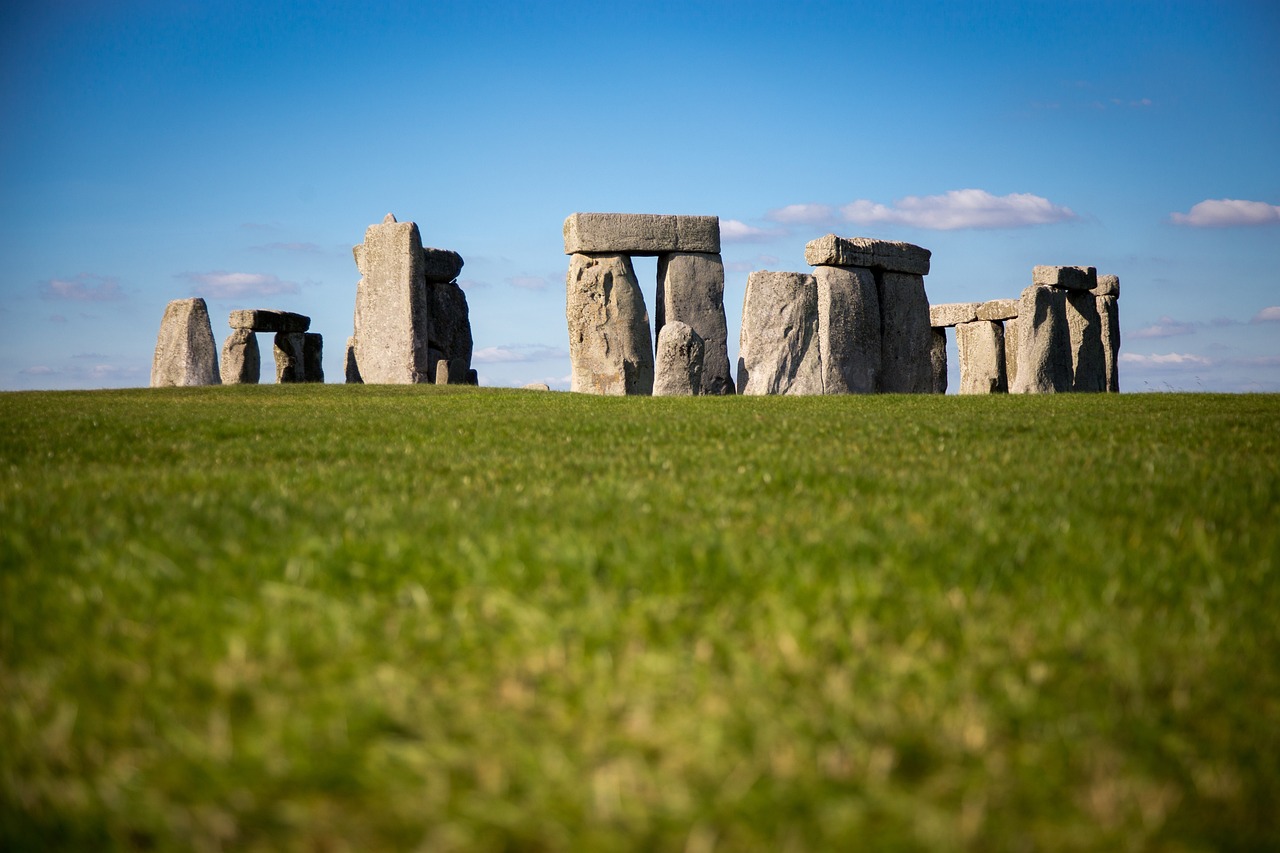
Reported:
(679, 360)
(998, 309)
(906, 336)
(450, 330)
(1044, 345)
(610, 351)
(982, 364)
(1011, 338)
(887, 255)
(290, 355)
(442, 371)
(185, 350)
(440, 265)
(1088, 361)
(938, 360)
(849, 346)
(778, 347)
(1065, 278)
(1109, 312)
(1108, 285)
(393, 315)
(691, 291)
(952, 314)
(640, 234)
(536, 386)
(241, 359)
(312, 357)
(269, 320)
(351, 365)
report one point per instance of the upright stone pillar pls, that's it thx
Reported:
(241, 359)
(609, 345)
(1044, 342)
(392, 317)
(938, 360)
(680, 360)
(778, 347)
(312, 357)
(691, 291)
(1005, 312)
(848, 329)
(1088, 361)
(981, 348)
(185, 350)
(1108, 295)
(290, 355)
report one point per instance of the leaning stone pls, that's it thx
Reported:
(1066, 278)
(1011, 328)
(393, 316)
(241, 360)
(678, 361)
(440, 265)
(938, 360)
(640, 234)
(290, 353)
(312, 357)
(887, 255)
(691, 290)
(778, 347)
(952, 314)
(267, 320)
(450, 328)
(351, 366)
(185, 350)
(848, 329)
(907, 339)
(998, 309)
(981, 349)
(1044, 342)
(1088, 362)
(1108, 285)
(610, 351)
(537, 386)
(1109, 312)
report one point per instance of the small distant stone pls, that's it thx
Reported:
(537, 386)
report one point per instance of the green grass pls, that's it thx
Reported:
(330, 618)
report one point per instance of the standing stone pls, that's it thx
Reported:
(312, 357)
(473, 378)
(186, 353)
(290, 353)
(680, 358)
(610, 350)
(1044, 345)
(982, 365)
(778, 347)
(1109, 312)
(1011, 327)
(392, 317)
(450, 329)
(241, 360)
(1088, 360)
(907, 337)
(691, 291)
(442, 372)
(351, 366)
(938, 360)
(849, 346)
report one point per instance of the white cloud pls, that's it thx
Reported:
(1166, 327)
(1167, 360)
(529, 282)
(734, 231)
(803, 214)
(517, 353)
(237, 285)
(1270, 314)
(1226, 212)
(84, 287)
(957, 209)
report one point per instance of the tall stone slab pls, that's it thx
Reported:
(691, 291)
(1011, 344)
(450, 329)
(610, 350)
(290, 355)
(680, 361)
(241, 359)
(849, 345)
(982, 365)
(312, 357)
(392, 317)
(1044, 342)
(778, 347)
(938, 360)
(1109, 312)
(906, 336)
(1088, 359)
(186, 353)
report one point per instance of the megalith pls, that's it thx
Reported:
(691, 291)
(350, 370)
(778, 347)
(392, 315)
(1044, 342)
(1108, 295)
(312, 357)
(450, 330)
(241, 359)
(938, 360)
(290, 356)
(848, 329)
(679, 360)
(980, 344)
(1088, 361)
(186, 353)
(610, 349)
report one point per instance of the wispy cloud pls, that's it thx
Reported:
(531, 282)
(85, 287)
(757, 263)
(299, 248)
(236, 285)
(1270, 314)
(1171, 360)
(735, 231)
(1226, 213)
(960, 209)
(1166, 327)
(38, 370)
(517, 353)
(472, 284)
(804, 214)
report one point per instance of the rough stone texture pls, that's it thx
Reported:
(269, 320)
(473, 378)
(241, 360)
(981, 350)
(443, 371)
(885, 255)
(440, 265)
(778, 349)
(906, 336)
(1088, 362)
(938, 360)
(848, 329)
(351, 367)
(640, 234)
(1108, 285)
(186, 353)
(952, 314)
(1044, 345)
(536, 386)
(691, 291)
(998, 309)
(392, 317)
(312, 357)
(1011, 328)
(610, 350)
(679, 360)
(450, 328)
(1109, 312)
(1066, 278)
(290, 353)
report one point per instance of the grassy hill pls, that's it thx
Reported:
(332, 617)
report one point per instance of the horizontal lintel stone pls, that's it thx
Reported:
(952, 314)
(998, 309)
(886, 255)
(640, 234)
(1066, 278)
(1108, 285)
(441, 265)
(268, 320)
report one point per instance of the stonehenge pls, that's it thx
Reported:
(185, 351)
(295, 350)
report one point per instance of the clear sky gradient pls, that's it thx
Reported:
(151, 151)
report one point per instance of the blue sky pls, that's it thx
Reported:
(237, 150)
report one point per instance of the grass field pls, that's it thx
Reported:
(332, 618)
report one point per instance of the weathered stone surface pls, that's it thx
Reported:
(887, 255)
(1044, 345)
(241, 360)
(351, 366)
(679, 361)
(185, 350)
(998, 309)
(640, 234)
(473, 378)
(610, 350)
(312, 357)
(907, 337)
(1011, 338)
(1108, 285)
(691, 291)
(1088, 362)
(1109, 312)
(981, 350)
(442, 372)
(848, 329)
(440, 265)
(392, 317)
(537, 386)
(290, 354)
(269, 320)
(450, 328)
(952, 314)
(938, 360)
(778, 347)
(1066, 278)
